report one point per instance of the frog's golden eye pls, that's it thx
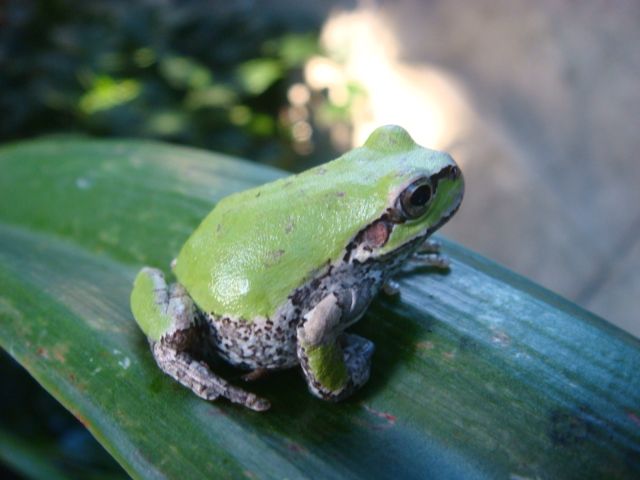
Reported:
(415, 199)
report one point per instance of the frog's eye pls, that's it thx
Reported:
(415, 199)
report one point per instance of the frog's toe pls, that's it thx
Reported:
(391, 288)
(430, 246)
(432, 260)
(241, 397)
(355, 345)
(357, 357)
(257, 403)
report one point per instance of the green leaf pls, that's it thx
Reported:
(258, 74)
(32, 461)
(477, 373)
(107, 93)
(184, 72)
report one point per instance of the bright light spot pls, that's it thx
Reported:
(298, 94)
(234, 288)
(339, 94)
(83, 183)
(424, 99)
(320, 72)
(301, 131)
(295, 114)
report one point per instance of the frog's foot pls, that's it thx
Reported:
(430, 260)
(334, 364)
(167, 315)
(391, 288)
(428, 255)
(198, 377)
(357, 356)
(430, 246)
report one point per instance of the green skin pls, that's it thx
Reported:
(257, 247)
(280, 233)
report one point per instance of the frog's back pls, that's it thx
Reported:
(257, 246)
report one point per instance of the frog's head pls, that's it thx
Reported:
(420, 188)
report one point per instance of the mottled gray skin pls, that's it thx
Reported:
(346, 288)
(271, 344)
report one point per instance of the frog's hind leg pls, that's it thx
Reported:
(335, 364)
(167, 316)
(198, 377)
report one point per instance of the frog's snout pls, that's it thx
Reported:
(454, 174)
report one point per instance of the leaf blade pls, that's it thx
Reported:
(477, 374)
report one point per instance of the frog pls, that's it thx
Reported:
(274, 276)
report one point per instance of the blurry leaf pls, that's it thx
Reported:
(293, 49)
(477, 374)
(257, 75)
(112, 62)
(173, 51)
(27, 458)
(213, 96)
(166, 123)
(184, 73)
(262, 125)
(34, 459)
(240, 115)
(107, 93)
(144, 57)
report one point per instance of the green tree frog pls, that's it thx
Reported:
(274, 275)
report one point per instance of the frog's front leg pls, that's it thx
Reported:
(429, 255)
(334, 364)
(167, 316)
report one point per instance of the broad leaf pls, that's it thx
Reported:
(477, 373)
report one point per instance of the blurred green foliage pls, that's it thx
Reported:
(40, 439)
(212, 74)
(208, 73)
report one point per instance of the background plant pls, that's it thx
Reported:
(210, 74)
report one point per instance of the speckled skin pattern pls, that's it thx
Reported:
(271, 343)
(355, 279)
(307, 330)
(265, 344)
